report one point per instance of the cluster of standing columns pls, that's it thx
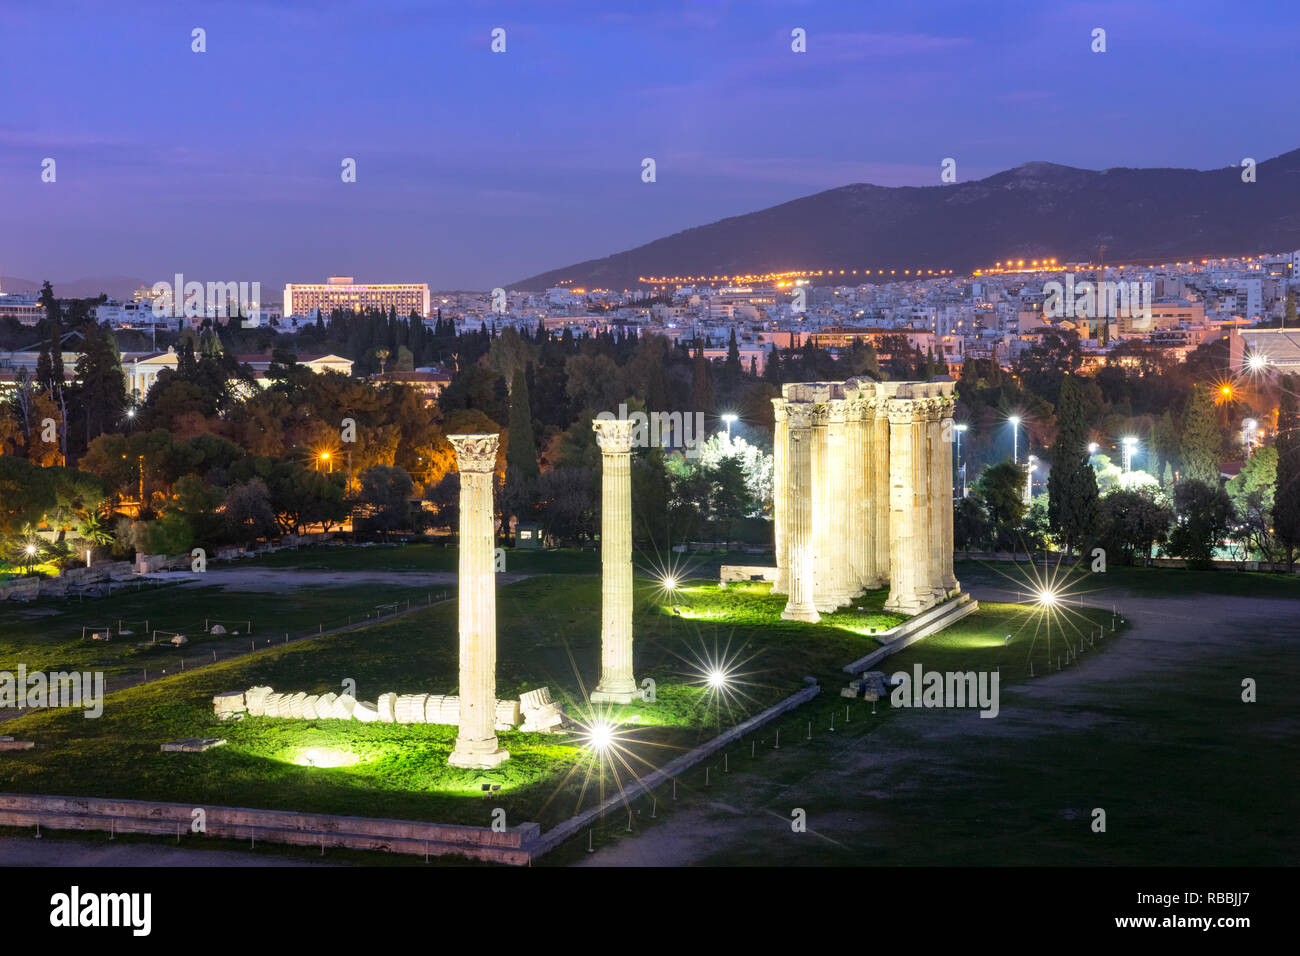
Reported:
(617, 682)
(476, 739)
(863, 494)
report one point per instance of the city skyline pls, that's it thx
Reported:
(478, 168)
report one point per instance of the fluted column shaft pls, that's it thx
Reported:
(836, 479)
(476, 739)
(948, 577)
(799, 529)
(881, 508)
(617, 683)
(921, 543)
(780, 482)
(902, 507)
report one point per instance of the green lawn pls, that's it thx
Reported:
(548, 630)
(46, 634)
(1153, 582)
(422, 556)
(548, 634)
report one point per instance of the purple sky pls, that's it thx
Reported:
(476, 168)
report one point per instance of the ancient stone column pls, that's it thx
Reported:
(938, 504)
(799, 528)
(855, 491)
(880, 489)
(902, 507)
(617, 684)
(823, 588)
(839, 585)
(948, 577)
(921, 543)
(476, 739)
(780, 479)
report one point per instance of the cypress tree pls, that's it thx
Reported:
(1201, 441)
(521, 447)
(1072, 506)
(1286, 491)
(702, 390)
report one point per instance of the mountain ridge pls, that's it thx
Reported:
(1035, 210)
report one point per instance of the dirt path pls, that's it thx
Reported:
(1167, 633)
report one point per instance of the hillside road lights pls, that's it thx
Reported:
(1129, 445)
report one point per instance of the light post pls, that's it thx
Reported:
(1031, 467)
(961, 468)
(30, 551)
(1129, 444)
(1015, 439)
(729, 418)
(1092, 448)
(325, 456)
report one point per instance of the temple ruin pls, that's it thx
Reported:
(862, 489)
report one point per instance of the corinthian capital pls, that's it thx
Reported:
(613, 435)
(475, 453)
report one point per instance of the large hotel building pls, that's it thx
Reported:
(342, 292)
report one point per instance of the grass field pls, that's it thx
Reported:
(548, 634)
(47, 634)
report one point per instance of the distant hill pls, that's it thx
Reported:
(117, 287)
(1037, 210)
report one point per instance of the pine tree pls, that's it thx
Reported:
(1201, 442)
(1286, 492)
(1072, 506)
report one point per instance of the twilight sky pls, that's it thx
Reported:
(475, 169)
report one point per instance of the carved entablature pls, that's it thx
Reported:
(613, 435)
(475, 453)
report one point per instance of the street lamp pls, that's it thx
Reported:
(1029, 478)
(1129, 444)
(1092, 448)
(1015, 438)
(729, 418)
(1248, 428)
(325, 456)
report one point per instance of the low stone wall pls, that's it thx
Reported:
(510, 846)
(70, 581)
(736, 573)
(1277, 567)
(911, 631)
(570, 827)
